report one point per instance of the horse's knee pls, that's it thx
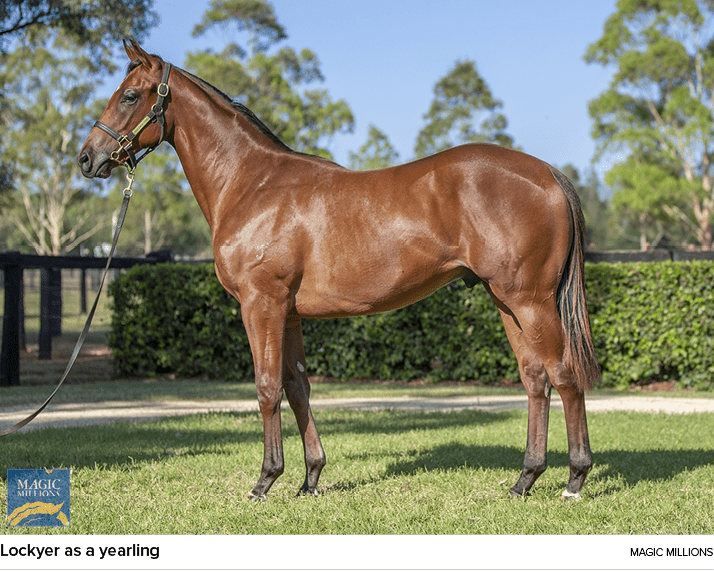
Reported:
(297, 391)
(270, 395)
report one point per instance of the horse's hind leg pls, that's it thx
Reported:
(547, 339)
(535, 380)
(542, 331)
(297, 389)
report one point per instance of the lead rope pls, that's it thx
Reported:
(80, 341)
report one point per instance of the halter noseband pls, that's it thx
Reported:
(156, 114)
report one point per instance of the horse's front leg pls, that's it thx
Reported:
(264, 320)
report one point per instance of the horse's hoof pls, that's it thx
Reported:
(517, 493)
(308, 493)
(567, 496)
(256, 498)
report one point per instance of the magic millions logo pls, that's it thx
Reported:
(38, 497)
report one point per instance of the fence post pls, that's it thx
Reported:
(56, 301)
(45, 351)
(83, 291)
(23, 332)
(10, 357)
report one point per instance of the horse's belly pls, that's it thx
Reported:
(337, 298)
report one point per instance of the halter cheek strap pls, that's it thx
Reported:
(156, 114)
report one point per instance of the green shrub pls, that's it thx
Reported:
(455, 333)
(650, 323)
(177, 318)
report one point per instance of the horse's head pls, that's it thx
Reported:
(133, 119)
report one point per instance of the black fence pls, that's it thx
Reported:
(13, 264)
(656, 255)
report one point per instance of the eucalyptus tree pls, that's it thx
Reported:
(656, 119)
(51, 87)
(96, 25)
(272, 81)
(376, 153)
(463, 111)
(94, 29)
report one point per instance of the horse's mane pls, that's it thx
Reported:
(239, 107)
(252, 117)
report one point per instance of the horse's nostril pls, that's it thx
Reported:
(84, 161)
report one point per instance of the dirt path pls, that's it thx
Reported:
(73, 415)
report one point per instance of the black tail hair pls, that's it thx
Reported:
(579, 354)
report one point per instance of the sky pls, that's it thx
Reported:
(383, 57)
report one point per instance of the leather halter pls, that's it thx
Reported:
(156, 114)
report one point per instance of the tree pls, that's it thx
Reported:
(659, 113)
(5, 169)
(254, 16)
(645, 195)
(51, 91)
(376, 153)
(463, 111)
(94, 25)
(270, 82)
(90, 23)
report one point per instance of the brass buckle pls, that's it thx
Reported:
(124, 145)
(163, 89)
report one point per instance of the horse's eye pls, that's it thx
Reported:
(130, 98)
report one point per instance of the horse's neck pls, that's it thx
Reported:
(219, 149)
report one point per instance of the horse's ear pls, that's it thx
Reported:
(135, 52)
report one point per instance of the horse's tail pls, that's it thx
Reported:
(579, 355)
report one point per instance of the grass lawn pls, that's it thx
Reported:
(388, 473)
(191, 389)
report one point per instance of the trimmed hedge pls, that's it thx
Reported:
(650, 323)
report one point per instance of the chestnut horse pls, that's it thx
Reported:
(296, 236)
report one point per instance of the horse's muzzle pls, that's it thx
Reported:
(94, 166)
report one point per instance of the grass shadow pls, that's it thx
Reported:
(119, 444)
(392, 421)
(631, 466)
(123, 444)
(654, 465)
(455, 456)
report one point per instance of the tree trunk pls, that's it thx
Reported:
(147, 232)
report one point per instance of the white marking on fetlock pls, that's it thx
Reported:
(570, 496)
(300, 367)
